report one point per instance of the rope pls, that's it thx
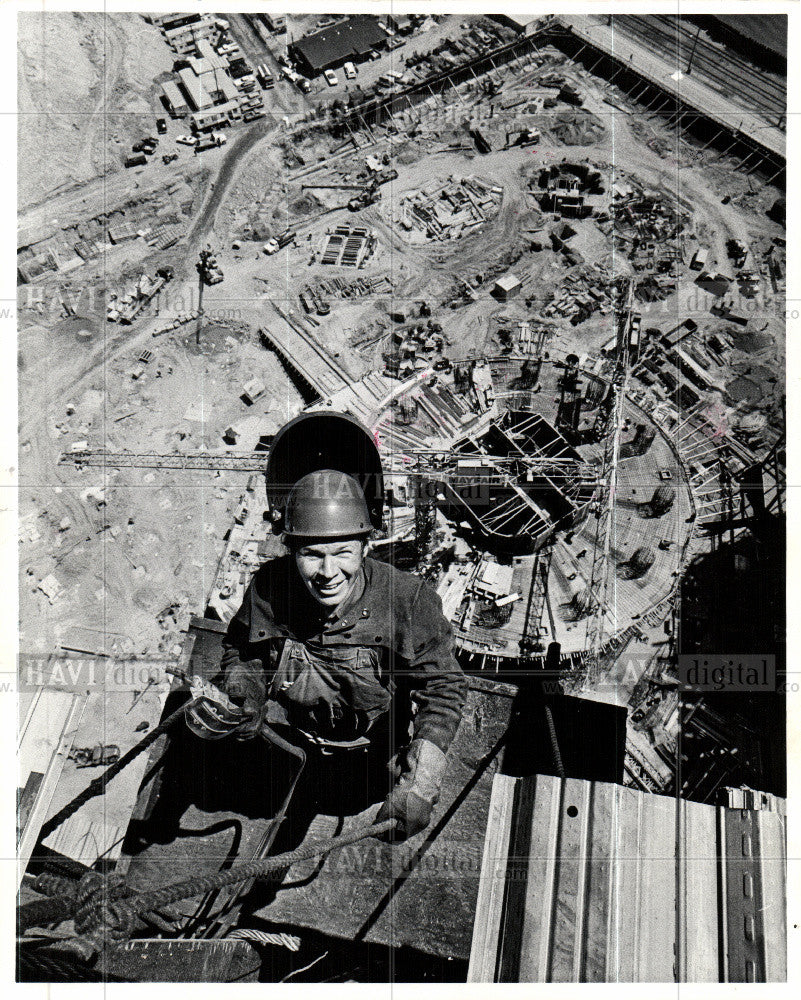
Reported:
(99, 906)
(155, 899)
(50, 884)
(305, 968)
(557, 755)
(281, 940)
(41, 912)
(98, 785)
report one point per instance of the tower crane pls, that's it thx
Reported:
(600, 575)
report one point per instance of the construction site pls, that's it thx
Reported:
(535, 263)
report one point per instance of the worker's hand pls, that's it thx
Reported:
(416, 791)
(246, 685)
(210, 719)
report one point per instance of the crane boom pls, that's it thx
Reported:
(600, 575)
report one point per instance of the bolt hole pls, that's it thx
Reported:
(572, 812)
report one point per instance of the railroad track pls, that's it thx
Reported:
(725, 72)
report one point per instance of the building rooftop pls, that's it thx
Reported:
(352, 38)
(173, 94)
(208, 61)
(496, 578)
(508, 282)
(195, 89)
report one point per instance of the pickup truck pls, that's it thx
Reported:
(211, 141)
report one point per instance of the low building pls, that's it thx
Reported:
(494, 581)
(506, 287)
(220, 114)
(183, 38)
(212, 96)
(253, 390)
(523, 24)
(195, 90)
(207, 60)
(174, 100)
(350, 40)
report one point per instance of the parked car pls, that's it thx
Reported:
(350, 71)
(187, 140)
(331, 78)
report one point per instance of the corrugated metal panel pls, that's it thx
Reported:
(593, 882)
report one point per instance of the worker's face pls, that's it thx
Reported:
(329, 569)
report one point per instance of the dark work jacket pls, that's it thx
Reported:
(389, 640)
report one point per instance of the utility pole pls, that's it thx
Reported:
(209, 273)
(692, 51)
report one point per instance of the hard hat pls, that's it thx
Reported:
(326, 504)
(323, 439)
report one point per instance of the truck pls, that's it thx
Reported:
(265, 77)
(698, 262)
(135, 160)
(277, 242)
(210, 141)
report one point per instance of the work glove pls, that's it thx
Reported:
(416, 791)
(246, 686)
(211, 714)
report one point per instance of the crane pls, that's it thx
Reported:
(600, 574)
(209, 273)
(256, 461)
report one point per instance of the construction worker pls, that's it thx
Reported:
(331, 648)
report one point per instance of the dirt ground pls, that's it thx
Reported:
(85, 86)
(127, 545)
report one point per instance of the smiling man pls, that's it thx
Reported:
(334, 648)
